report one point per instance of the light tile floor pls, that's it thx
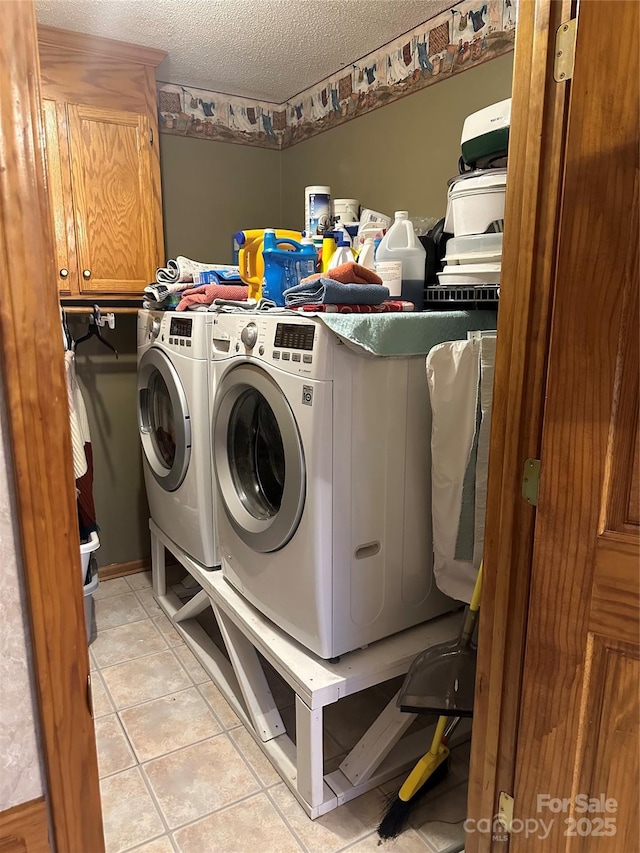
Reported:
(180, 774)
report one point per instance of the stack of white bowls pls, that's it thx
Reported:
(475, 216)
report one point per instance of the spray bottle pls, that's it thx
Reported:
(366, 258)
(342, 255)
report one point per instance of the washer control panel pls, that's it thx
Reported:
(186, 335)
(249, 335)
(296, 345)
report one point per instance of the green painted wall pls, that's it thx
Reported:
(211, 190)
(399, 156)
(109, 389)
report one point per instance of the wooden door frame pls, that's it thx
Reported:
(39, 438)
(534, 183)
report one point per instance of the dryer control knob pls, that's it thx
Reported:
(249, 335)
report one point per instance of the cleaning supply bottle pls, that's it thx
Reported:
(250, 246)
(342, 255)
(366, 256)
(328, 248)
(400, 261)
(285, 267)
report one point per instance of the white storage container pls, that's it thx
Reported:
(86, 550)
(476, 202)
(346, 209)
(470, 275)
(474, 249)
(88, 590)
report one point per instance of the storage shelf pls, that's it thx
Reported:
(380, 754)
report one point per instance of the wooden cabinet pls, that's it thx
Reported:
(102, 163)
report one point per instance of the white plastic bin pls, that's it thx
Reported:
(88, 590)
(87, 551)
(475, 202)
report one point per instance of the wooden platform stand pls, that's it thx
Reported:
(316, 683)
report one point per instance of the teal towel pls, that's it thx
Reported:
(326, 291)
(407, 334)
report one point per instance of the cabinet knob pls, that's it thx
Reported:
(86, 273)
(64, 272)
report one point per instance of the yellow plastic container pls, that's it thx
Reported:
(250, 258)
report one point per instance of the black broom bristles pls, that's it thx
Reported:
(399, 811)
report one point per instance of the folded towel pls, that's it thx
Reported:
(185, 270)
(349, 273)
(326, 291)
(206, 293)
(230, 306)
(169, 303)
(159, 292)
(389, 306)
(182, 269)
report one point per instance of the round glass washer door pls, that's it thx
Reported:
(259, 459)
(163, 419)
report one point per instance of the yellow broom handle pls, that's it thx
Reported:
(477, 591)
(437, 735)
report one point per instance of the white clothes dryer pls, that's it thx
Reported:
(173, 421)
(322, 470)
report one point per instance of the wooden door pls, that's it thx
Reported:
(578, 736)
(113, 200)
(39, 443)
(59, 193)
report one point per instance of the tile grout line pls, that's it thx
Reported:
(137, 589)
(155, 803)
(240, 724)
(159, 652)
(160, 611)
(129, 744)
(144, 844)
(97, 674)
(222, 809)
(128, 622)
(283, 816)
(145, 655)
(143, 762)
(253, 772)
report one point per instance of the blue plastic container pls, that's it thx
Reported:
(285, 268)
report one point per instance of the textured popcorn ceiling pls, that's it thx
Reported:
(263, 49)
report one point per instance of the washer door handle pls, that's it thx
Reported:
(144, 422)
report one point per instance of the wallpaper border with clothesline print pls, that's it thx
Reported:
(466, 35)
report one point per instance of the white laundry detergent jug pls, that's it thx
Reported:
(400, 261)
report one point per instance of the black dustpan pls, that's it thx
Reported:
(442, 679)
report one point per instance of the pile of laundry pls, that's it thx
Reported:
(196, 286)
(346, 289)
(185, 284)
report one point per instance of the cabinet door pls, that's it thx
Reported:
(114, 199)
(59, 193)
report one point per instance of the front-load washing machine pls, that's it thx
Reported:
(173, 420)
(322, 470)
